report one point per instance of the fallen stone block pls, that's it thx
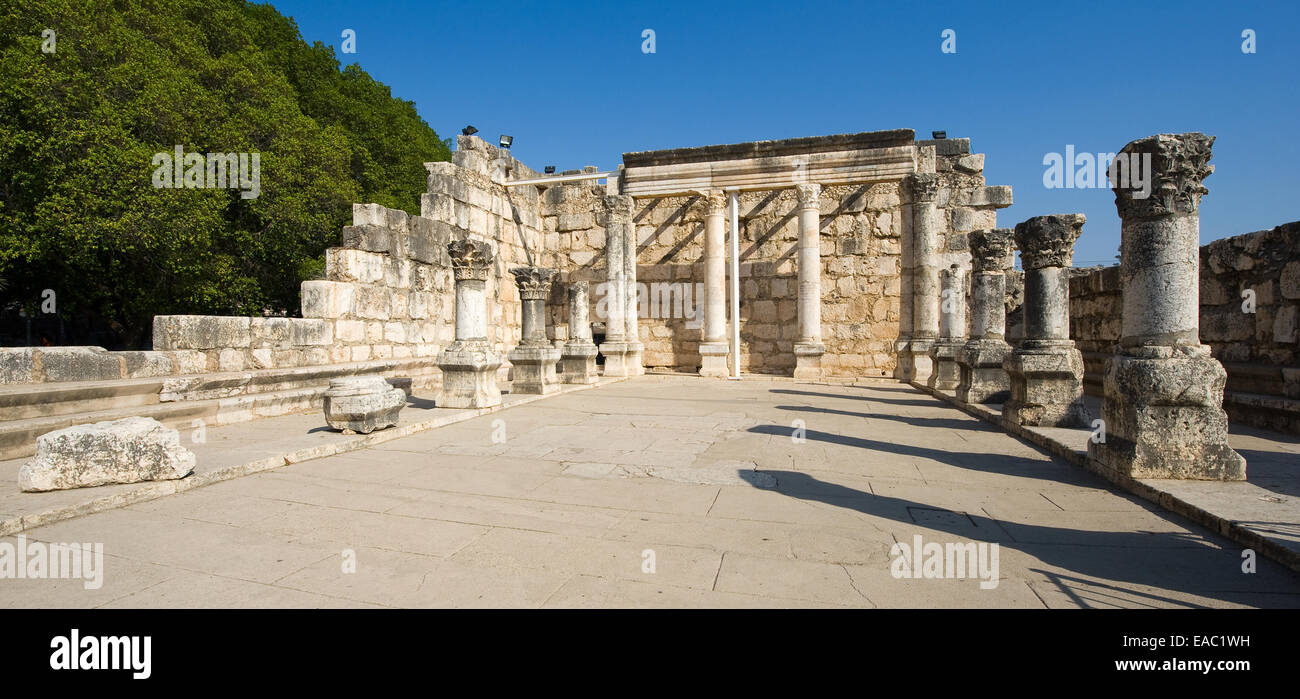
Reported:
(129, 450)
(362, 404)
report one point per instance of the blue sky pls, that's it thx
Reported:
(570, 82)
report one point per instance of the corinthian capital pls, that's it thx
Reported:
(533, 282)
(1048, 241)
(990, 249)
(715, 202)
(809, 195)
(618, 209)
(921, 186)
(1161, 175)
(470, 259)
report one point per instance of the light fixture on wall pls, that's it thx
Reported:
(469, 130)
(505, 141)
(939, 135)
(549, 169)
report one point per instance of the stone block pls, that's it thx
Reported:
(130, 450)
(80, 364)
(362, 404)
(469, 376)
(270, 332)
(16, 364)
(347, 265)
(200, 332)
(998, 196)
(369, 237)
(372, 302)
(350, 330)
(1289, 280)
(310, 332)
(327, 299)
(146, 364)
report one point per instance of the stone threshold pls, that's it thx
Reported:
(226, 463)
(1232, 509)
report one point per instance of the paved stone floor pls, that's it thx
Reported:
(702, 478)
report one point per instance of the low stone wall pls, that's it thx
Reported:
(1259, 349)
(20, 365)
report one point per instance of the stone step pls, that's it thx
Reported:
(25, 401)
(218, 399)
(18, 437)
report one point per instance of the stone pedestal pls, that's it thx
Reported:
(362, 404)
(713, 359)
(468, 365)
(1046, 371)
(1163, 407)
(921, 189)
(534, 360)
(983, 380)
(808, 349)
(578, 356)
(946, 374)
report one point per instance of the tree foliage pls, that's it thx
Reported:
(127, 79)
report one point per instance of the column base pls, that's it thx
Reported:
(808, 360)
(1164, 417)
(534, 368)
(713, 359)
(469, 376)
(946, 372)
(617, 362)
(983, 380)
(578, 363)
(1046, 387)
(902, 367)
(918, 365)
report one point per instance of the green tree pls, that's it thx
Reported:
(79, 128)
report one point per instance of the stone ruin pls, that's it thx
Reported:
(864, 255)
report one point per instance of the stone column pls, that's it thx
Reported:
(983, 380)
(808, 349)
(632, 312)
(922, 189)
(534, 359)
(946, 375)
(1046, 371)
(578, 356)
(1163, 407)
(713, 337)
(468, 364)
(617, 344)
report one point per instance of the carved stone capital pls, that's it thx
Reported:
(618, 209)
(991, 249)
(715, 202)
(922, 187)
(470, 259)
(1177, 165)
(809, 195)
(533, 282)
(1048, 241)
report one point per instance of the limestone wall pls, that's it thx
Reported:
(1259, 349)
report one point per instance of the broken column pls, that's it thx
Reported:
(946, 374)
(1163, 408)
(468, 364)
(808, 348)
(713, 336)
(578, 356)
(129, 450)
(362, 404)
(983, 380)
(1046, 370)
(534, 358)
(622, 346)
(922, 189)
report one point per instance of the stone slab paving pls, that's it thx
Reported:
(1261, 512)
(567, 502)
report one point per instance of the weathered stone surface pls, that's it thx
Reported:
(362, 403)
(80, 364)
(534, 369)
(129, 450)
(469, 376)
(200, 332)
(16, 365)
